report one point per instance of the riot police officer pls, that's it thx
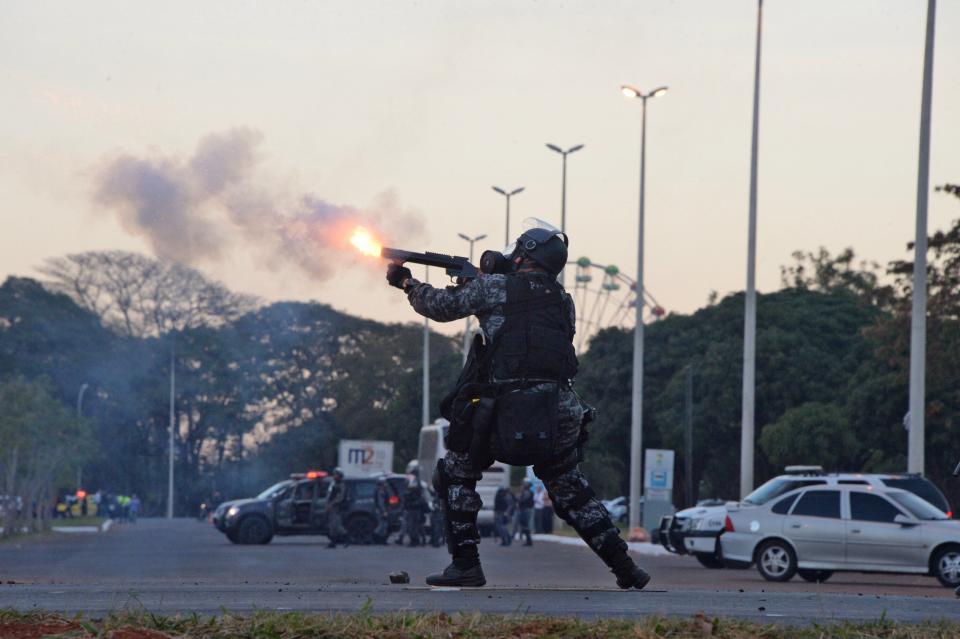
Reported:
(336, 504)
(381, 508)
(514, 400)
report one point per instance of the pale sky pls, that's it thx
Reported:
(435, 101)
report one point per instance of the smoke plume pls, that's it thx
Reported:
(197, 210)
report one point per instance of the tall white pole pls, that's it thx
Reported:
(171, 450)
(83, 389)
(426, 360)
(918, 318)
(636, 406)
(750, 305)
(563, 207)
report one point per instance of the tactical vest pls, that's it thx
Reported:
(536, 339)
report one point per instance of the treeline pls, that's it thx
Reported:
(833, 354)
(265, 390)
(261, 390)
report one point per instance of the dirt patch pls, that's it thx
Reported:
(19, 630)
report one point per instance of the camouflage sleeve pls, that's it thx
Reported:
(450, 303)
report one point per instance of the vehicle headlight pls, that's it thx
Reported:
(232, 512)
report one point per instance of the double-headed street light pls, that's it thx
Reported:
(636, 408)
(563, 188)
(466, 333)
(508, 196)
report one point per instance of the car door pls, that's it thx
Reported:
(815, 527)
(875, 540)
(283, 508)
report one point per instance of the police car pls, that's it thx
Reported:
(696, 531)
(297, 506)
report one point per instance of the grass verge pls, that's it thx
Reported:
(366, 625)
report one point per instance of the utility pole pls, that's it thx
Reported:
(750, 303)
(426, 360)
(172, 424)
(688, 438)
(918, 316)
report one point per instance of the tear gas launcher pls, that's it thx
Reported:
(456, 266)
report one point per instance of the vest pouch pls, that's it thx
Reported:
(465, 415)
(526, 424)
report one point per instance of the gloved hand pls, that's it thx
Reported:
(396, 274)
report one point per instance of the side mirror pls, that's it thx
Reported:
(903, 520)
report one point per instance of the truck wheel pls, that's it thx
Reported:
(946, 566)
(814, 576)
(776, 561)
(254, 529)
(709, 560)
(360, 529)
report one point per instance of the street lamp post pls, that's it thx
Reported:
(171, 442)
(507, 195)
(425, 407)
(918, 316)
(750, 302)
(563, 188)
(636, 408)
(83, 389)
(466, 333)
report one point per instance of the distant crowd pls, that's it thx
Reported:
(99, 504)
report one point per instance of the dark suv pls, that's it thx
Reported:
(297, 507)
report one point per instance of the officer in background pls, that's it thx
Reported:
(436, 519)
(336, 503)
(526, 353)
(503, 503)
(414, 507)
(381, 509)
(525, 511)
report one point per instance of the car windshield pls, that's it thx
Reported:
(919, 508)
(776, 487)
(274, 490)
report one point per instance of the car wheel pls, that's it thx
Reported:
(254, 530)
(814, 576)
(776, 561)
(360, 529)
(232, 536)
(946, 566)
(709, 560)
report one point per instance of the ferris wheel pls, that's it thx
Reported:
(605, 297)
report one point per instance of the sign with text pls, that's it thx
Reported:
(363, 458)
(658, 474)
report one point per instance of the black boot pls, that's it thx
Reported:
(471, 577)
(630, 576)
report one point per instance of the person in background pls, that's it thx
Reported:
(503, 506)
(414, 505)
(436, 520)
(547, 514)
(381, 506)
(134, 508)
(538, 496)
(336, 503)
(525, 511)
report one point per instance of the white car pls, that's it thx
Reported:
(697, 531)
(817, 530)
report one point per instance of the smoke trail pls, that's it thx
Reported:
(190, 210)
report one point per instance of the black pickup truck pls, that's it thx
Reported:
(297, 507)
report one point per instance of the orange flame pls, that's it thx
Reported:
(365, 242)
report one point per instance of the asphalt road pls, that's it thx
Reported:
(186, 566)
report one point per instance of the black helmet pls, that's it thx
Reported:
(540, 242)
(545, 246)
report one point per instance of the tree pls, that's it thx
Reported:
(143, 297)
(42, 440)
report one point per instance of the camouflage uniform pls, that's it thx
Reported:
(573, 499)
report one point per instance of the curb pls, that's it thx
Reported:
(646, 549)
